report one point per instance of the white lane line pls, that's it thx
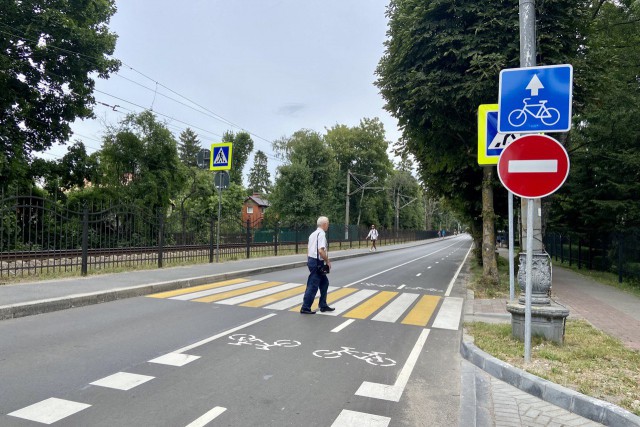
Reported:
(346, 303)
(343, 325)
(397, 266)
(419, 274)
(455, 276)
(207, 417)
(449, 314)
(401, 286)
(286, 304)
(174, 359)
(428, 267)
(222, 334)
(122, 381)
(49, 411)
(258, 294)
(208, 292)
(349, 418)
(533, 166)
(396, 308)
(394, 392)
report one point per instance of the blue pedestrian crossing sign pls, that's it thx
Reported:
(535, 99)
(490, 141)
(221, 156)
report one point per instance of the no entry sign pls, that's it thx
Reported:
(533, 166)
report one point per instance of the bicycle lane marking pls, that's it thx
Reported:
(394, 392)
(185, 358)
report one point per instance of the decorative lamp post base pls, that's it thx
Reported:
(547, 321)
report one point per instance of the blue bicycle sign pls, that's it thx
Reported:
(547, 115)
(536, 99)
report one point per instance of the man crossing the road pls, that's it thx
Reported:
(317, 256)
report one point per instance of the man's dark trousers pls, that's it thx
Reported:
(314, 282)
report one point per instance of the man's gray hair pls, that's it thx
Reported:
(322, 220)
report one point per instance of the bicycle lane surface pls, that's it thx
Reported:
(248, 385)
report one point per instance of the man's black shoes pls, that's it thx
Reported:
(307, 311)
(327, 308)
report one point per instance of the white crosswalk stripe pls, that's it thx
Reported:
(208, 292)
(352, 300)
(396, 308)
(258, 294)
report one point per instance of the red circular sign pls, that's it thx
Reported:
(533, 166)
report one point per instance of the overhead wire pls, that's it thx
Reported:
(210, 113)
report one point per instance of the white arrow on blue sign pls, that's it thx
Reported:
(536, 99)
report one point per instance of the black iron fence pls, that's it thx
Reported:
(40, 236)
(618, 253)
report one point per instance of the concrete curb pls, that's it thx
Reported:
(31, 308)
(588, 407)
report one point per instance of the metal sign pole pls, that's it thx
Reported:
(512, 292)
(219, 218)
(529, 283)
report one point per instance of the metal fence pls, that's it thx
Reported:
(40, 236)
(617, 253)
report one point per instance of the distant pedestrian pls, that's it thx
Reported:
(319, 265)
(442, 234)
(373, 235)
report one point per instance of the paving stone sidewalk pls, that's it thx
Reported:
(613, 311)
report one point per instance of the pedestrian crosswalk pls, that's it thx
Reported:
(384, 306)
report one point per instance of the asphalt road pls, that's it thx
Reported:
(239, 354)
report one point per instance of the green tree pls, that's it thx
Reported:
(242, 148)
(140, 159)
(50, 53)
(602, 193)
(441, 61)
(259, 176)
(189, 147)
(362, 150)
(304, 186)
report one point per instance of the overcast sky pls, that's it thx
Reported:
(270, 67)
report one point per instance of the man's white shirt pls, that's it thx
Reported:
(317, 239)
(373, 234)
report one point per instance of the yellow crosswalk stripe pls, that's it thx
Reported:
(183, 291)
(422, 311)
(236, 292)
(331, 297)
(371, 305)
(275, 297)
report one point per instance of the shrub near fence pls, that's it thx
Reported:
(40, 236)
(617, 253)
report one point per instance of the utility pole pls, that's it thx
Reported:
(346, 217)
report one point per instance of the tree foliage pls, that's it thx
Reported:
(50, 52)
(442, 61)
(602, 192)
(304, 186)
(140, 159)
(362, 150)
(242, 148)
(259, 176)
(189, 147)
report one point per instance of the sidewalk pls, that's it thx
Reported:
(611, 310)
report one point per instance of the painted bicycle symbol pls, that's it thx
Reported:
(373, 358)
(548, 116)
(245, 339)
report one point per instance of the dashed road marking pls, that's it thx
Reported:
(122, 381)
(349, 418)
(207, 417)
(50, 410)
